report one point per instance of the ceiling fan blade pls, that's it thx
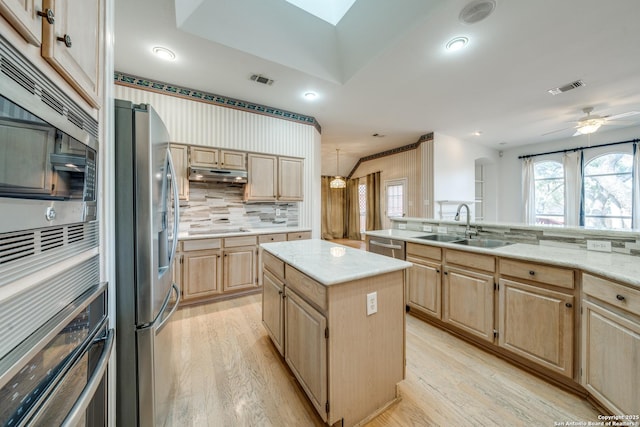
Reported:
(620, 122)
(556, 131)
(621, 115)
(576, 134)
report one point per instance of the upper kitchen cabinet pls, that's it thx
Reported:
(233, 160)
(180, 155)
(25, 17)
(262, 177)
(290, 179)
(72, 44)
(203, 157)
(274, 178)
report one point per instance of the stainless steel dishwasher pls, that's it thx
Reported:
(393, 248)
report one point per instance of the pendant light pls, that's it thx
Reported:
(338, 181)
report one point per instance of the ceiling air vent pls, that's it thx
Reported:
(258, 78)
(569, 86)
(476, 11)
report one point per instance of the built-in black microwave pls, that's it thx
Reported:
(47, 174)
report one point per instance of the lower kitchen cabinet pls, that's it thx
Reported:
(306, 348)
(537, 324)
(611, 344)
(468, 301)
(201, 273)
(239, 269)
(424, 283)
(273, 308)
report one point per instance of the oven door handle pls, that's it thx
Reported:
(79, 408)
(384, 245)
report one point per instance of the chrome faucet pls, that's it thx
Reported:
(467, 232)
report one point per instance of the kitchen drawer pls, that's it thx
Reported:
(201, 244)
(268, 238)
(556, 276)
(299, 236)
(469, 259)
(234, 242)
(612, 293)
(424, 251)
(306, 287)
(274, 264)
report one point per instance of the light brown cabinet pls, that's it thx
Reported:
(23, 16)
(303, 235)
(201, 273)
(262, 177)
(290, 179)
(611, 344)
(424, 279)
(180, 156)
(235, 160)
(239, 268)
(273, 299)
(204, 157)
(73, 44)
(537, 324)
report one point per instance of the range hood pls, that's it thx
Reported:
(217, 175)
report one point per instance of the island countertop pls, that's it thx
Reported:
(330, 263)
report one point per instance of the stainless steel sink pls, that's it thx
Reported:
(482, 243)
(442, 238)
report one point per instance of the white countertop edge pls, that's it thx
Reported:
(308, 256)
(614, 266)
(251, 232)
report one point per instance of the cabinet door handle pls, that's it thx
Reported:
(532, 273)
(280, 292)
(620, 297)
(568, 305)
(446, 273)
(48, 15)
(66, 39)
(437, 271)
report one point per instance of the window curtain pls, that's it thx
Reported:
(353, 209)
(528, 192)
(333, 208)
(374, 221)
(635, 222)
(572, 163)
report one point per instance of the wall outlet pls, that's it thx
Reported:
(426, 228)
(402, 226)
(372, 303)
(277, 211)
(599, 245)
(442, 230)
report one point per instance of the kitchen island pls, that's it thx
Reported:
(337, 316)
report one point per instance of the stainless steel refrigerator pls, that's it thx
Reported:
(146, 238)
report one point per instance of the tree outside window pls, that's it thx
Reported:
(549, 192)
(608, 181)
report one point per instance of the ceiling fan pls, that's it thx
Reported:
(592, 122)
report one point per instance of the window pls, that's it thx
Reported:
(608, 191)
(549, 192)
(395, 197)
(362, 201)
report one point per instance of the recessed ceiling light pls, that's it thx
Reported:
(310, 96)
(478, 133)
(457, 43)
(164, 53)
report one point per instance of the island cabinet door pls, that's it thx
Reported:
(537, 324)
(273, 308)
(468, 301)
(424, 286)
(306, 348)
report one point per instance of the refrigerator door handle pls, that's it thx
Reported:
(162, 320)
(176, 208)
(79, 408)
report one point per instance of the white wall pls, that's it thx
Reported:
(454, 172)
(510, 181)
(199, 123)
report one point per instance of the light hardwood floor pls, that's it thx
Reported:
(232, 376)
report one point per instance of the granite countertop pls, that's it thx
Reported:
(330, 263)
(624, 268)
(203, 234)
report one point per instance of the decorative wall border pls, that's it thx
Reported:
(210, 98)
(423, 138)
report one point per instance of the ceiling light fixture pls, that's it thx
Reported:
(457, 43)
(164, 53)
(338, 181)
(310, 96)
(589, 126)
(478, 133)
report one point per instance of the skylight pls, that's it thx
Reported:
(331, 11)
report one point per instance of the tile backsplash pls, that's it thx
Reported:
(218, 207)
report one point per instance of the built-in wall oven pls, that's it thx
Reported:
(55, 337)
